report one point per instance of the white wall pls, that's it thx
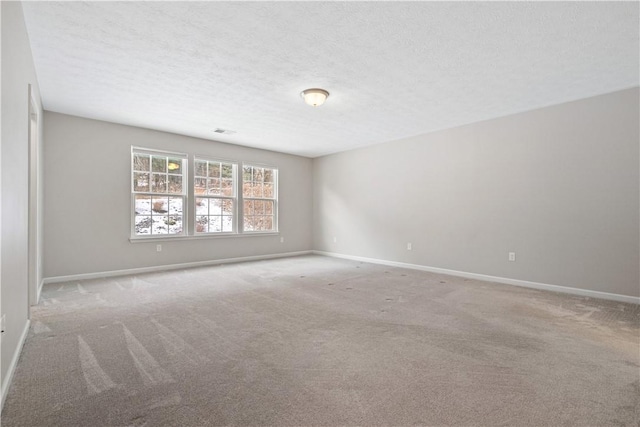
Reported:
(17, 74)
(87, 202)
(559, 186)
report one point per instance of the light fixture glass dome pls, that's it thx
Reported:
(315, 97)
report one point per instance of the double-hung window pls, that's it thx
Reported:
(220, 197)
(158, 191)
(215, 196)
(259, 193)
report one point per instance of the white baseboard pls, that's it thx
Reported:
(141, 270)
(515, 282)
(6, 381)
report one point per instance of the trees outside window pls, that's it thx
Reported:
(259, 193)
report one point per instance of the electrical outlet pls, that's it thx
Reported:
(409, 247)
(512, 256)
(281, 239)
(158, 248)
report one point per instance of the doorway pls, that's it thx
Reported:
(34, 266)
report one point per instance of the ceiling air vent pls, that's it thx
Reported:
(224, 131)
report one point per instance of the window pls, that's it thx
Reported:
(259, 193)
(220, 197)
(158, 192)
(215, 196)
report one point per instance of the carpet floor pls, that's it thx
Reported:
(313, 340)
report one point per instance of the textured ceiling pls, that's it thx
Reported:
(394, 69)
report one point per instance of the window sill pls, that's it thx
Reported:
(201, 237)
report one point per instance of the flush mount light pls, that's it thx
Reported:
(315, 97)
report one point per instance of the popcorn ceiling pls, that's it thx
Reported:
(393, 69)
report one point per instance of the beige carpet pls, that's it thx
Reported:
(321, 341)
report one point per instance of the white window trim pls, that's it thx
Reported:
(204, 236)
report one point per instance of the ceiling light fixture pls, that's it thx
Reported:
(315, 97)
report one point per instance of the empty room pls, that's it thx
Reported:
(320, 213)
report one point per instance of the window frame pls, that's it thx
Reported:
(184, 158)
(242, 198)
(189, 197)
(233, 197)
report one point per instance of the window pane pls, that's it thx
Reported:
(268, 207)
(202, 206)
(268, 191)
(200, 185)
(140, 181)
(142, 205)
(227, 223)
(174, 223)
(257, 190)
(267, 224)
(215, 224)
(202, 224)
(246, 173)
(214, 170)
(141, 162)
(227, 170)
(227, 187)
(248, 207)
(201, 168)
(258, 175)
(248, 223)
(159, 184)
(227, 207)
(246, 189)
(215, 207)
(159, 225)
(175, 166)
(159, 164)
(257, 223)
(263, 224)
(159, 206)
(175, 184)
(258, 207)
(175, 206)
(214, 186)
(268, 175)
(143, 224)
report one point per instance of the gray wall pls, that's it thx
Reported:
(559, 186)
(17, 74)
(87, 203)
